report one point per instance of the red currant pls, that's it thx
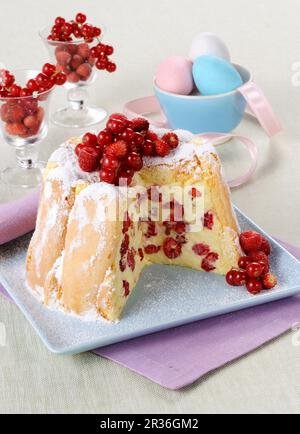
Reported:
(116, 126)
(128, 134)
(15, 90)
(108, 176)
(105, 138)
(90, 139)
(230, 277)
(254, 270)
(32, 85)
(25, 92)
(240, 278)
(111, 163)
(109, 50)
(60, 79)
(59, 21)
(101, 64)
(134, 161)
(244, 261)
(80, 18)
(49, 69)
(111, 67)
(97, 32)
(254, 286)
(148, 148)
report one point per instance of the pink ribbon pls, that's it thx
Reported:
(257, 102)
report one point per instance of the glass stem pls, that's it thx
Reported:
(77, 98)
(27, 156)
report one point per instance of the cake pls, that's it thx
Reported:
(89, 249)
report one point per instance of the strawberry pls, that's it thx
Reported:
(118, 149)
(269, 281)
(89, 159)
(171, 139)
(140, 124)
(162, 148)
(251, 241)
(152, 249)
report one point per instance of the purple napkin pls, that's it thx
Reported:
(177, 358)
(18, 218)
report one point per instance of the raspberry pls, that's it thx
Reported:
(208, 263)
(152, 249)
(89, 159)
(266, 246)
(269, 281)
(171, 248)
(122, 265)
(126, 288)
(250, 241)
(171, 139)
(201, 249)
(162, 148)
(181, 240)
(118, 149)
(140, 124)
(208, 220)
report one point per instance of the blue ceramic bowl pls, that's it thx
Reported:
(204, 114)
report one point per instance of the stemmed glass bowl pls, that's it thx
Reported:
(75, 60)
(24, 124)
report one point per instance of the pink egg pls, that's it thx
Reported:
(175, 75)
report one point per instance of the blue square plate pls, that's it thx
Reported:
(166, 297)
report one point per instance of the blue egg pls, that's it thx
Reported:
(214, 75)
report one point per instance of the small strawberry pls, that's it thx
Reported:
(162, 148)
(171, 139)
(251, 241)
(118, 149)
(269, 281)
(89, 159)
(140, 124)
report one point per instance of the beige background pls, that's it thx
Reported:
(263, 35)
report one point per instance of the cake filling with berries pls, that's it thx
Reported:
(96, 260)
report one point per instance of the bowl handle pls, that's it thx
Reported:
(261, 108)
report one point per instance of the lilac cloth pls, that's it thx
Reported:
(18, 218)
(177, 358)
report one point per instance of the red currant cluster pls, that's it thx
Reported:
(254, 269)
(119, 149)
(64, 31)
(20, 109)
(77, 60)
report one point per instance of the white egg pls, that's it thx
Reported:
(208, 43)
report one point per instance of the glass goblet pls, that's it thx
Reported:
(75, 60)
(24, 124)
